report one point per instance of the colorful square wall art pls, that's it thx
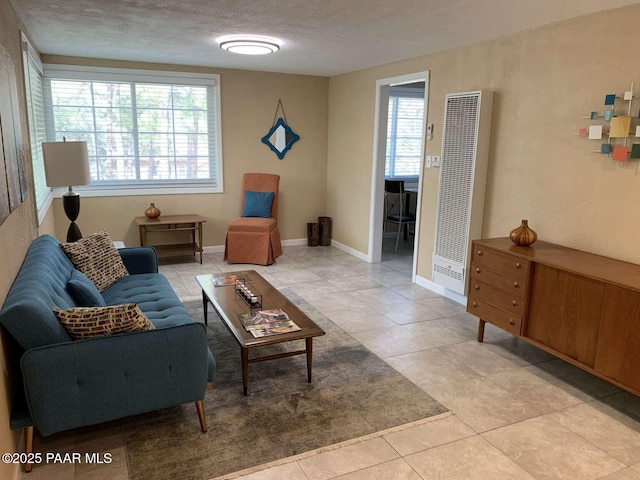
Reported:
(583, 132)
(595, 132)
(620, 154)
(620, 127)
(605, 148)
(635, 150)
(628, 95)
(608, 115)
(610, 99)
(594, 115)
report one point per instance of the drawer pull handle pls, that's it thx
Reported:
(514, 303)
(518, 265)
(475, 304)
(476, 286)
(512, 321)
(477, 270)
(479, 253)
(516, 284)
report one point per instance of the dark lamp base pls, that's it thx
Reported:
(73, 234)
(71, 205)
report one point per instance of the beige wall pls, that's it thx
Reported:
(544, 80)
(16, 234)
(249, 101)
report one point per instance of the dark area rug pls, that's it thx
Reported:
(353, 393)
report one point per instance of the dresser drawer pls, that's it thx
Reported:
(502, 319)
(508, 301)
(512, 285)
(515, 267)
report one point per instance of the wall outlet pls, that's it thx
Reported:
(436, 161)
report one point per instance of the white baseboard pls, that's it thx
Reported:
(294, 242)
(434, 287)
(213, 249)
(351, 251)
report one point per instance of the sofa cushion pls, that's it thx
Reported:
(153, 294)
(90, 322)
(40, 284)
(97, 257)
(257, 204)
(83, 291)
(251, 224)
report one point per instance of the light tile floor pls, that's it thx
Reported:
(518, 413)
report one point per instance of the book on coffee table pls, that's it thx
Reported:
(276, 329)
(267, 322)
(227, 280)
(274, 314)
(262, 317)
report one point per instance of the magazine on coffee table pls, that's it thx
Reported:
(274, 314)
(267, 322)
(225, 280)
(275, 329)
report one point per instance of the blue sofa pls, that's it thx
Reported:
(69, 384)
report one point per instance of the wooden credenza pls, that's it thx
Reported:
(580, 307)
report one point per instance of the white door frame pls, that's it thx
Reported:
(379, 155)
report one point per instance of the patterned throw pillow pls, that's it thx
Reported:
(89, 322)
(97, 257)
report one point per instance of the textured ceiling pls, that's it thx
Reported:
(320, 37)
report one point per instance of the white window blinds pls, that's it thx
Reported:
(404, 135)
(37, 128)
(143, 129)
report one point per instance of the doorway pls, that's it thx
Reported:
(399, 139)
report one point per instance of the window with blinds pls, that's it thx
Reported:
(142, 128)
(37, 128)
(404, 133)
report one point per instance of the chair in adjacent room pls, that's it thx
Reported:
(395, 207)
(254, 237)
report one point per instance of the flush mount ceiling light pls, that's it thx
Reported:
(249, 45)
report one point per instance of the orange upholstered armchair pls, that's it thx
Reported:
(254, 237)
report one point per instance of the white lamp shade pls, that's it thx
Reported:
(66, 163)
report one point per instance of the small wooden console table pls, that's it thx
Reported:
(171, 224)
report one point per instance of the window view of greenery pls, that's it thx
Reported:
(137, 132)
(404, 136)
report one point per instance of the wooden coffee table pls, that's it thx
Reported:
(228, 305)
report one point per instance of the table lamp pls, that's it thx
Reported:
(67, 164)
